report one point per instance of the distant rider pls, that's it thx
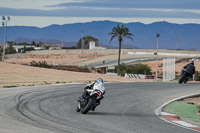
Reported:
(190, 68)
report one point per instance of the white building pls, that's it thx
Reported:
(17, 47)
(91, 44)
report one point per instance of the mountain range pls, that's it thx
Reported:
(172, 36)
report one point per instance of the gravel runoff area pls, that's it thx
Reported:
(15, 75)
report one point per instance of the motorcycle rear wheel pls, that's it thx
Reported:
(181, 79)
(185, 81)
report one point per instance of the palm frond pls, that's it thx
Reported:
(112, 38)
(120, 32)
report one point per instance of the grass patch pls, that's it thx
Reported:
(31, 85)
(10, 86)
(46, 83)
(186, 112)
(72, 68)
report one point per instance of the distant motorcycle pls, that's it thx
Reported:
(91, 101)
(185, 76)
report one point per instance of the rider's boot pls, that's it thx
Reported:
(82, 96)
(78, 109)
(93, 108)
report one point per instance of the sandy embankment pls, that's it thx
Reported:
(19, 75)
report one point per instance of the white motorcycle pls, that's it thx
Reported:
(89, 102)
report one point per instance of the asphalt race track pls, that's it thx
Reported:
(126, 108)
(115, 62)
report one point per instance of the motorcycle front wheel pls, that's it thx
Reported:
(78, 109)
(89, 105)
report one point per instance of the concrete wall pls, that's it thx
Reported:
(97, 51)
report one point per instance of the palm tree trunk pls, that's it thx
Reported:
(118, 69)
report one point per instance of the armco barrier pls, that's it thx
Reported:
(138, 76)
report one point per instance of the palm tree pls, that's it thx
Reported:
(120, 32)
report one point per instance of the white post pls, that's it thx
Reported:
(5, 40)
(164, 68)
(157, 35)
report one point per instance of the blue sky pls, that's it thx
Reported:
(42, 13)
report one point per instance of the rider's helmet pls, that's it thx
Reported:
(192, 61)
(99, 80)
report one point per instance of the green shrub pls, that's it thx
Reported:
(1, 51)
(73, 68)
(197, 76)
(133, 69)
(9, 86)
(142, 69)
(40, 64)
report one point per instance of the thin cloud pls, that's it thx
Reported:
(32, 4)
(164, 4)
(115, 9)
(104, 12)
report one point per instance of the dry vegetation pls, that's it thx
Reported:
(194, 100)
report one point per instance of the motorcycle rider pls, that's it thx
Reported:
(90, 87)
(190, 68)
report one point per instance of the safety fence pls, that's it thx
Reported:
(139, 76)
(169, 69)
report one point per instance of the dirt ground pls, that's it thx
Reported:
(61, 59)
(20, 75)
(50, 76)
(195, 100)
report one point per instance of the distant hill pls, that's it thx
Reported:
(172, 36)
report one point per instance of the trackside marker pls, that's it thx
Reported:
(197, 128)
(174, 118)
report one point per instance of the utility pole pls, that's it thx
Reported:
(177, 42)
(62, 44)
(82, 41)
(157, 35)
(4, 23)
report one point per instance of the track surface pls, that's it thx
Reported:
(126, 108)
(114, 62)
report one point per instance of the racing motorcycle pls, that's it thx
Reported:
(91, 101)
(185, 76)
